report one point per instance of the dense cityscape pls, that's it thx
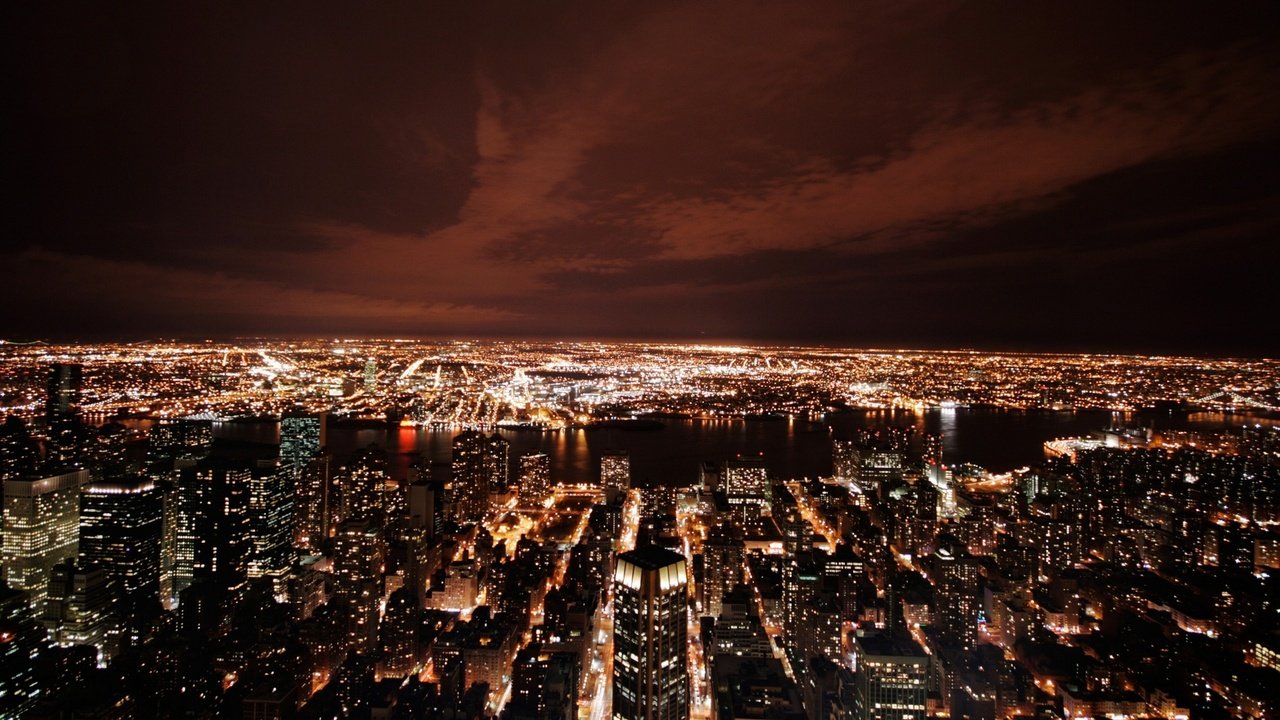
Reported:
(184, 535)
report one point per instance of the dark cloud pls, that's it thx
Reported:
(916, 174)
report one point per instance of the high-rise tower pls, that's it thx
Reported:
(650, 677)
(41, 529)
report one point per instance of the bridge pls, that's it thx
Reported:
(1232, 399)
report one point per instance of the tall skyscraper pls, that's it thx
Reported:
(723, 555)
(41, 529)
(650, 677)
(358, 564)
(121, 529)
(479, 467)
(271, 518)
(615, 470)
(62, 393)
(957, 591)
(62, 415)
(535, 477)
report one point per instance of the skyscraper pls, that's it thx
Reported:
(62, 393)
(615, 470)
(723, 554)
(535, 477)
(479, 467)
(957, 591)
(650, 677)
(62, 415)
(121, 525)
(41, 529)
(891, 673)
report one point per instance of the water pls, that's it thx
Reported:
(998, 440)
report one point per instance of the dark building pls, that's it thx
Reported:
(121, 526)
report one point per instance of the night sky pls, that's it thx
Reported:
(1021, 175)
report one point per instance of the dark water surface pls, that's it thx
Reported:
(999, 440)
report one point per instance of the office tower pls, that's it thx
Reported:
(650, 634)
(62, 393)
(747, 485)
(723, 557)
(121, 530)
(314, 507)
(479, 467)
(78, 608)
(213, 537)
(19, 452)
(25, 642)
(956, 573)
(615, 470)
(370, 374)
(271, 517)
(62, 416)
(358, 566)
(41, 529)
(535, 477)
(801, 576)
(301, 437)
(891, 677)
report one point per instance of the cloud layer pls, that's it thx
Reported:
(903, 173)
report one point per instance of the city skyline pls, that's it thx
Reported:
(521, 531)
(1001, 176)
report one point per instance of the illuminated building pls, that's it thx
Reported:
(78, 609)
(723, 557)
(535, 477)
(213, 536)
(486, 646)
(62, 414)
(358, 565)
(41, 529)
(22, 643)
(397, 646)
(650, 635)
(314, 508)
(459, 588)
(364, 485)
(890, 678)
(801, 576)
(271, 518)
(957, 583)
(121, 528)
(750, 492)
(370, 374)
(479, 467)
(544, 684)
(301, 437)
(615, 470)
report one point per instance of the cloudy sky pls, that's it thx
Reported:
(1077, 176)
